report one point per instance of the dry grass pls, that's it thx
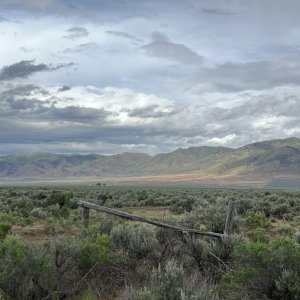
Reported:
(151, 212)
(36, 232)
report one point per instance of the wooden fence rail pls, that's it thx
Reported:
(87, 205)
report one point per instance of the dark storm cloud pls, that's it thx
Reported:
(76, 32)
(64, 88)
(25, 68)
(162, 47)
(123, 35)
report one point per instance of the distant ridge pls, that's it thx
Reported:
(274, 157)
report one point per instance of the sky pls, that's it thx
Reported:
(102, 76)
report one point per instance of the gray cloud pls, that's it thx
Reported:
(85, 48)
(37, 111)
(162, 47)
(19, 105)
(20, 132)
(28, 120)
(265, 116)
(234, 77)
(26, 50)
(153, 111)
(45, 7)
(21, 69)
(25, 68)
(273, 106)
(75, 114)
(124, 35)
(22, 90)
(21, 102)
(216, 11)
(64, 88)
(76, 32)
(170, 127)
(2, 19)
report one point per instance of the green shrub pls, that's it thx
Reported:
(279, 210)
(50, 226)
(87, 295)
(50, 270)
(60, 198)
(106, 225)
(26, 272)
(286, 231)
(258, 235)
(172, 283)
(256, 220)
(13, 218)
(297, 237)
(4, 230)
(242, 206)
(93, 251)
(287, 286)
(143, 293)
(138, 240)
(176, 208)
(64, 212)
(257, 264)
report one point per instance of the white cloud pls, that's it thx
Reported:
(224, 141)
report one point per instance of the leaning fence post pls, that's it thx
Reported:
(229, 218)
(85, 216)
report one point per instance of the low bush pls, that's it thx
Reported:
(171, 282)
(257, 265)
(138, 240)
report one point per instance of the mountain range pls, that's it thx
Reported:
(268, 158)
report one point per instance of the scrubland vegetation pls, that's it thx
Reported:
(46, 253)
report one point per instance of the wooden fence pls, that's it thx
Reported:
(86, 206)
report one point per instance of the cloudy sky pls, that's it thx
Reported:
(102, 76)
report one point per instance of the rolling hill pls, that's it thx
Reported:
(267, 158)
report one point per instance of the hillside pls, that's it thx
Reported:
(117, 165)
(275, 157)
(183, 160)
(41, 164)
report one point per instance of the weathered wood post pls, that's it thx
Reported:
(229, 218)
(85, 216)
